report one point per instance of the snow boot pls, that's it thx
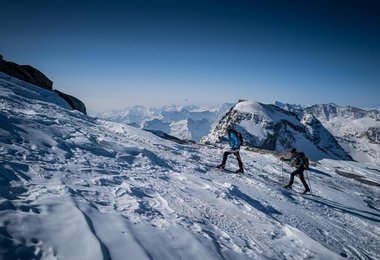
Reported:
(221, 166)
(240, 171)
(306, 191)
(288, 186)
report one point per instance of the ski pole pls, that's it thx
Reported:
(282, 171)
(308, 180)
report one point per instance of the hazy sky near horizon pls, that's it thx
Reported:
(112, 54)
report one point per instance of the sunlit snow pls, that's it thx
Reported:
(73, 187)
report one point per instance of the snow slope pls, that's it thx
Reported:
(73, 187)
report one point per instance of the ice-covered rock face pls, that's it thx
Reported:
(356, 130)
(373, 134)
(322, 138)
(270, 127)
(330, 111)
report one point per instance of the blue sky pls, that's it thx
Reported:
(112, 54)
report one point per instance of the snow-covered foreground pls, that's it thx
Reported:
(73, 187)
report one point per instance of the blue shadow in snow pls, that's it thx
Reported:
(8, 191)
(288, 194)
(268, 210)
(358, 213)
(318, 172)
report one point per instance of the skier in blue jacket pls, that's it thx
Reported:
(235, 143)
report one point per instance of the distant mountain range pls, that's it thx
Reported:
(324, 131)
(184, 122)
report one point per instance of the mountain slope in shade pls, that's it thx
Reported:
(357, 130)
(270, 127)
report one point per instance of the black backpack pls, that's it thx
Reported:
(304, 159)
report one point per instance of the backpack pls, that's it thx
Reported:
(304, 159)
(239, 135)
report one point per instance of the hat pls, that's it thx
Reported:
(293, 150)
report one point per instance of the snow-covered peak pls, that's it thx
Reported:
(270, 127)
(269, 113)
(249, 107)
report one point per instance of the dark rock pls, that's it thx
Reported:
(75, 103)
(13, 70)
(39, 78)
(31, 75)
(26, 73)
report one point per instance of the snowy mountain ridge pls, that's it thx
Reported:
(270, 127)
(360, 137)
(75, 187)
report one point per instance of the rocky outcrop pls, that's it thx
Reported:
(322, 138)
(373, 134)
(26, 73)
(32, 75)
(38, 77)
(75, 103)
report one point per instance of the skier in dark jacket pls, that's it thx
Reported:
(299, 162)
(234, 142)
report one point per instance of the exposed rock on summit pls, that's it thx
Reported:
(26, 73)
